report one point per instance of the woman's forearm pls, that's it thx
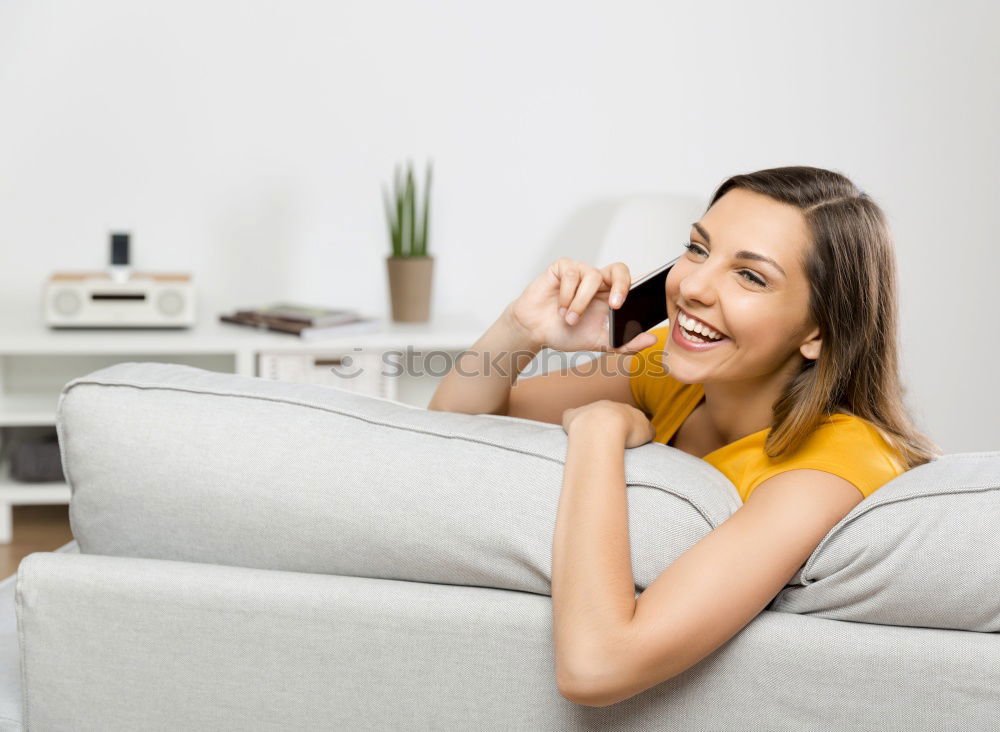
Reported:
(593, 590)
(482, 377)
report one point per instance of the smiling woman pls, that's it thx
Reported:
(747, 363)
(779, 366)
(794, 268)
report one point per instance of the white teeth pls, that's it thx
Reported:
(695, 327)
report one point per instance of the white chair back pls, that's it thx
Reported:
(648, 231)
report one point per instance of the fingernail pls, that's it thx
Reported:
(616, 299)
(571, 317)
(562, 312)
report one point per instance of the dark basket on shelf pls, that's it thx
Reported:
(36, 461)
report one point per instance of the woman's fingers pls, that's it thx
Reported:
(591, 281)
(641, 341)
(579, 282)
(619, 279)
(569, 277)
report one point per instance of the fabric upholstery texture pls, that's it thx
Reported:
(167, 461)
(11, 692)
(119, 643)
(269, 556)
(920, 551)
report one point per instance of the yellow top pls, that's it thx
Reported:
(842, 444)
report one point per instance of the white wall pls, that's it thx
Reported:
(247, 142)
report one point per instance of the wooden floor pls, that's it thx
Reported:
(36, 529)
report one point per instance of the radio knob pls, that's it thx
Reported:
(66, 302)
(170, 302)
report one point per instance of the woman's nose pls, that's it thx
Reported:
(698, 285)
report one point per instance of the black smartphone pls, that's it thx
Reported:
(645, 306)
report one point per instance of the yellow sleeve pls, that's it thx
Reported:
(858, 478)
(847, 448)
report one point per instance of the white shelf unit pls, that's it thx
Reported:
(36, 362)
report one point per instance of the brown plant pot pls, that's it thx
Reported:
(410, 288)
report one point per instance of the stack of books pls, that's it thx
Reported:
(305, 321)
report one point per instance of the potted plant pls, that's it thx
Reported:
(409, 266)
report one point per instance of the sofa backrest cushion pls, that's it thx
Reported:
(921, 551)
(167, 461)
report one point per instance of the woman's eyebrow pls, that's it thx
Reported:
(742, 253)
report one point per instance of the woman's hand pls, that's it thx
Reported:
(607, 414)
(568, 288)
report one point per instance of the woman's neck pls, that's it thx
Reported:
(735, 409)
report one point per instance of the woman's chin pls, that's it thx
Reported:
(679, 373)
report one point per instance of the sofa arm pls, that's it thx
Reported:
(121, 643)
(115, 643)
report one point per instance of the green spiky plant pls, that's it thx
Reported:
(407, 230)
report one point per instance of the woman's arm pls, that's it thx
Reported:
(564, 308)
(610, 645)
(481, 380)
(593, 590)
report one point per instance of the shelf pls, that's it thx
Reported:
(17, 493)
(28, 410)
(209, 336)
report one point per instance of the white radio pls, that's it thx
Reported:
(99, 300)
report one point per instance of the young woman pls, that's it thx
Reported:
(779, 366)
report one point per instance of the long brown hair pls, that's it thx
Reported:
(851, 267)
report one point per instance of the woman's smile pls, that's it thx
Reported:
(694, 343)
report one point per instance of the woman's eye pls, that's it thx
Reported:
(747, 274)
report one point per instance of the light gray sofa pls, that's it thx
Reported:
(256, 555)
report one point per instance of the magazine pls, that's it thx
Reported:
(310, 314)
(255, 319)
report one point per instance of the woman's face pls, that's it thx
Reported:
(761, 309)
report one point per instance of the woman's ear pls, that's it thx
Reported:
(810, 348)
